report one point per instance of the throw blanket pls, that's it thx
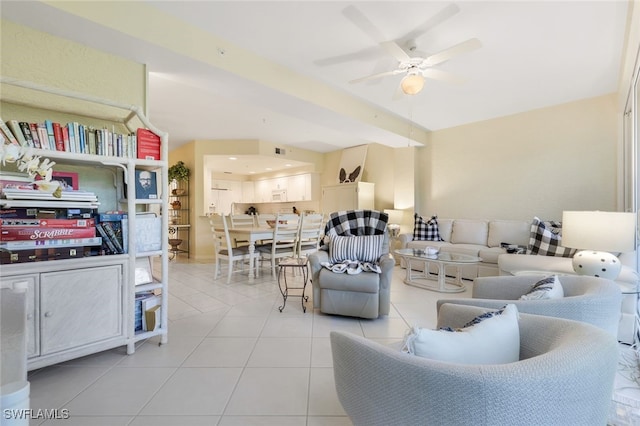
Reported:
(352, 267)
(354, 223)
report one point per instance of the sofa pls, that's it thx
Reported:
(491, 239)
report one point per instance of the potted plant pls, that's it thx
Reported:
(178, 172)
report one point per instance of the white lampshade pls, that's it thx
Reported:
(598, 234)
(395, 216)
(412, 84)
(601, 231)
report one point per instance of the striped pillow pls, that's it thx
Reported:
(364, 248)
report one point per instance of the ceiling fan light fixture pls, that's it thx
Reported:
(412, 84)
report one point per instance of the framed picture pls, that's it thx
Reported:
(352, 164)
(146, 185)
(68, 180)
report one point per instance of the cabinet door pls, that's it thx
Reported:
(32, 323)
(299, 188)
(248, 192)
(78, 307)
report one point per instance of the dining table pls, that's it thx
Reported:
(251, 234)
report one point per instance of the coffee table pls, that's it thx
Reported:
(441, 260)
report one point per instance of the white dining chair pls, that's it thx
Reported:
(285, 240)
(224, 249)
(242, 221)
(311, 231)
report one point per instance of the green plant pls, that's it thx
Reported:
(178, 172)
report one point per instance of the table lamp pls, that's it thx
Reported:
(598, 235)
(395, 218)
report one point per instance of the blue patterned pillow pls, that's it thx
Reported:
(425, 230)
(364, 248)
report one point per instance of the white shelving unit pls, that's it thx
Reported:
(93, 297)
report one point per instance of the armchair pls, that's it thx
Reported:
(565, 376)
(363, 295)
(588, 299)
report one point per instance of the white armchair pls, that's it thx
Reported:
(564, 377)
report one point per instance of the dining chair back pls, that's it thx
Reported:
(285, 240)
(224, 249)
(311, 230)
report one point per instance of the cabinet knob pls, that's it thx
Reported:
(29, 316)
(48, 314)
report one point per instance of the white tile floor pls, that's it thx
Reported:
(232, 359)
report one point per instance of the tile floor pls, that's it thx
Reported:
(232, 359)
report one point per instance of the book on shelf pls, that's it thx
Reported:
(33, 127)
(50, 134)
(8, 135)
(26, 132)
(58, 138)
(106, 241)
(17, 132)
(148, 144)
(149, 303)
(152, 318)
(22, 233)
(34, 244)
(34, 194)
(43, 135)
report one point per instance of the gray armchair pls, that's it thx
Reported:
(565, 376)
(363, 295)
(588, 299)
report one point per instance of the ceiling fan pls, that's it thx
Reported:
(415, 65)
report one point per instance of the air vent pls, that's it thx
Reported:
(280, 151)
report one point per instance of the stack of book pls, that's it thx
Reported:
(77, 138)
(112, 228)
(147, 311)
(32, 240)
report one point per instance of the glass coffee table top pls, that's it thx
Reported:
(440, 256)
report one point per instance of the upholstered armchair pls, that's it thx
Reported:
(565, 376)
(588, 299)
(365, 294)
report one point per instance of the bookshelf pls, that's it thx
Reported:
(179, 227)
(85, 305)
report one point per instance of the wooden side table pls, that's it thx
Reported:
(292, 263)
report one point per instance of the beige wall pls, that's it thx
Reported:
(540, 162)
(41, 58)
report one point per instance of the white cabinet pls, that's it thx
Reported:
(80, 306)
(224, 193)
(248, 191)
(299, 188)
(347, 196)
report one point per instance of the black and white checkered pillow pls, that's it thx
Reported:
(425, 230)
(545, 239)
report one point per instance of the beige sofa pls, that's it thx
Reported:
(483, 238)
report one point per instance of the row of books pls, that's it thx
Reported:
(147, 311)
(76, 138)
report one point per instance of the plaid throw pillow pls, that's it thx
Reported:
(545, 239)
(425, 230)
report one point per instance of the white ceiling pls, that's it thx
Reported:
(534, 54)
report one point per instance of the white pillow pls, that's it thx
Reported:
(547, 288)
(492, 340)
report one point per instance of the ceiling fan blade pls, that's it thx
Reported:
(368, 54)
(354, 14)
(396, 51)
(432, 22)
(445, 55)
(443, 76)
(374, 76)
